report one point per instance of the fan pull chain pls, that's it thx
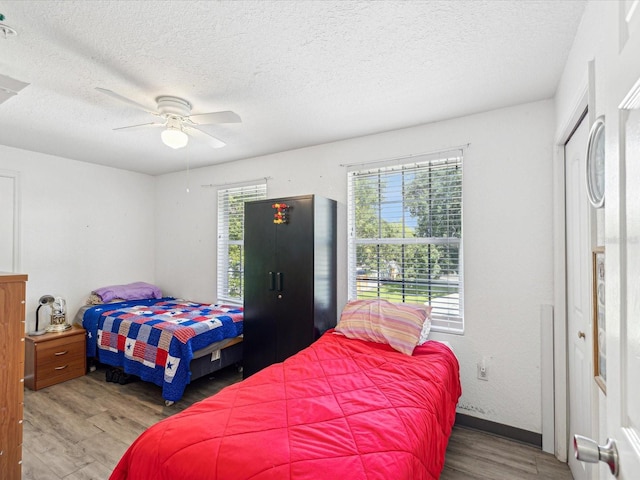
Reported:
(188, 191)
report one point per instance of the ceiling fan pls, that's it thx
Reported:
(9, 86)
(176, 119)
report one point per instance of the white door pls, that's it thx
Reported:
(623, 344)
(618, 99)
(578, 294)
(623, 341)
(622, 265)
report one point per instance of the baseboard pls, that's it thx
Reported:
(506, 431)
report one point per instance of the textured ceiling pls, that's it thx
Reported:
(299, 73)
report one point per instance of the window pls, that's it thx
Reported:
(405, 234)
(231, 239)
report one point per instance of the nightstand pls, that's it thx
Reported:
(54, 357)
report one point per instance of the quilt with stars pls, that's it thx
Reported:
(155, 338)
(339, 409)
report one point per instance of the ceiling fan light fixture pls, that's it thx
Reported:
(176, 119)
(5, 30)
(174, 138)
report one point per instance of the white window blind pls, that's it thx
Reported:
(231, 239)
(405, 234)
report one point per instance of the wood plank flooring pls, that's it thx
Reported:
(79, 430)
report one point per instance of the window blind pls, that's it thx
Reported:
(405, 234)
(231, 239)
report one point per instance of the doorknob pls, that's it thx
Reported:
(587, 450)
(581, 335)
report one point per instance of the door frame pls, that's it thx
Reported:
(556, 441)
(14, 177)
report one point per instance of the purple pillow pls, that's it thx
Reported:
(132, 291)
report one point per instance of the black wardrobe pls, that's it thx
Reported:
(290, 277)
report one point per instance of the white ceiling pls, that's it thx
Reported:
(299, 73)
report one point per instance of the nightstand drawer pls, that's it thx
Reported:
(60, 350)
(59, 372)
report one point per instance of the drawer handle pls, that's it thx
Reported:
(57, 354)
(61, 368)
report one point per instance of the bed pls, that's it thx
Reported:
(341, 408)
(166, 341)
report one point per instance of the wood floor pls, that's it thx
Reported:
(79, 430)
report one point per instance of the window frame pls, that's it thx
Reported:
(452, 322)
(248, 192)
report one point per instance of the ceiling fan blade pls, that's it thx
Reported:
(215, 117)
(11, 85)
(117, 96)
(204, 136)
(140, 126)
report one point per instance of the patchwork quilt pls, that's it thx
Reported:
(155, 339)
(339, 409)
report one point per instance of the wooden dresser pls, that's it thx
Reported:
(55, 357)
(12, 327)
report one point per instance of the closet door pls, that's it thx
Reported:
(259, 345)
(294, 295)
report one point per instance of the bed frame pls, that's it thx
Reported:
(213, 358)
(216, 357)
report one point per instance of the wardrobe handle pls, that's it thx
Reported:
(271, 281)
(279, 281)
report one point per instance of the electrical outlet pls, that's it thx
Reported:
(482, 372)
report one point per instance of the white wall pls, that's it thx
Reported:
(507, 237)
(83, 226)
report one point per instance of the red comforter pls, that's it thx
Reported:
(340, 409)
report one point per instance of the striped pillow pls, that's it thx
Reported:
(381, 321)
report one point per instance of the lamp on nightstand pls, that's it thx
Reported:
(44, 300)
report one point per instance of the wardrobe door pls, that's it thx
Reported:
(294, 282)
(259, 344)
